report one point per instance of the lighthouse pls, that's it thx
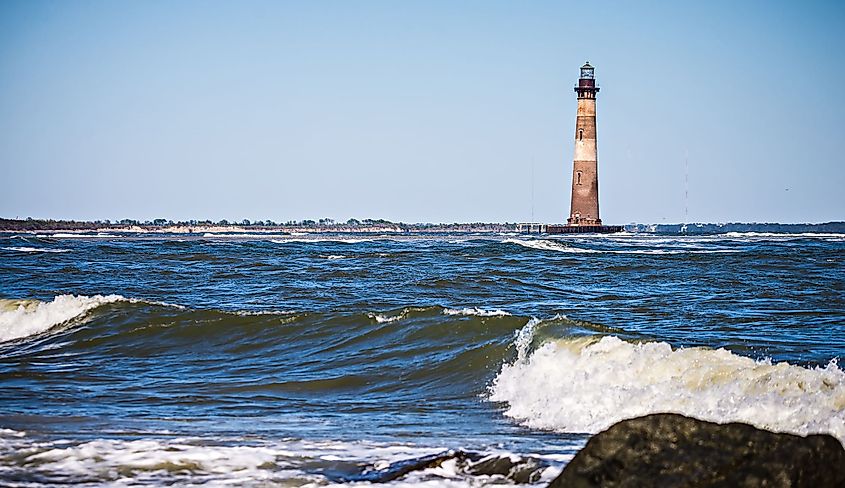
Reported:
(584, 208)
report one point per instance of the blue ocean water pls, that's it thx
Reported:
(281, 360)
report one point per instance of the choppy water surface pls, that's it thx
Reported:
(291, 360)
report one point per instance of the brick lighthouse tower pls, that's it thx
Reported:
(584, 210)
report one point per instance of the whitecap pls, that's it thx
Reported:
(350, 240)
(23, 318)
(83, 235)
(784, 235)
(384, 318)
(258, 235)
(585, 385)
(35, 249)
(480, 312)
(540, 244)
(550, 245)
(197, 461)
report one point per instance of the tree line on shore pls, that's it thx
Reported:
(30, 224)
(327, 224)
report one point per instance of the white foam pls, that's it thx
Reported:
(332, 257)
(147, 454)
(256, 235)
(523, 337)
(248, 313)
(385, 319)
(23, 318)
(98, 235)
(480, 312)
(549, 245)
(322, 239)
(34, 249)
(541, 244)
(200, 461)
(586, 385)
(785, 235)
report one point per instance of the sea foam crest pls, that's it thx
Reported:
(311, 240)
(540, 244)
(149, 455)
(23, 318)
(786, 235)
(81, 234)
(386, 319)
(550, 245)
(220, 463)
(479, 312)
(34, 249)
(586, 385)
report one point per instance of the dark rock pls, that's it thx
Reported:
(520, 470)
(401, 468)
(673, 450)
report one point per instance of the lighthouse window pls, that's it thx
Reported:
(578, 178)
(580, 134)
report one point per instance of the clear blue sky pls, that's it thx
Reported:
(419, 111)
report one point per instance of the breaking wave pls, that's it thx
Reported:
(313, 240)
(784, 235)
(382, 318)
(540, 244)
(81, 234)
(34, 249)
(23, 318)
(195, 461)
(546, 377)
(550, 245)
(478, 312)
(584, 385)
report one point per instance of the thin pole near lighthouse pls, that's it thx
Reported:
(686, 186)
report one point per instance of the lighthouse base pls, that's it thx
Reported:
(583, 229)
(534, 228)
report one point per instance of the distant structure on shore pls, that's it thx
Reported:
(584, 205)
(584, 209)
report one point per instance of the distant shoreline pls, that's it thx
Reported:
(380, 226)
(307, 227)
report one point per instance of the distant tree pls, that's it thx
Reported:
(245, 222)
(223, 222)
(160, 222)
(353, 222)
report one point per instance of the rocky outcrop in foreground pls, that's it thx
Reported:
(514, 469)
(672, 450)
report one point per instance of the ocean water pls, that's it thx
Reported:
(279, 360)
